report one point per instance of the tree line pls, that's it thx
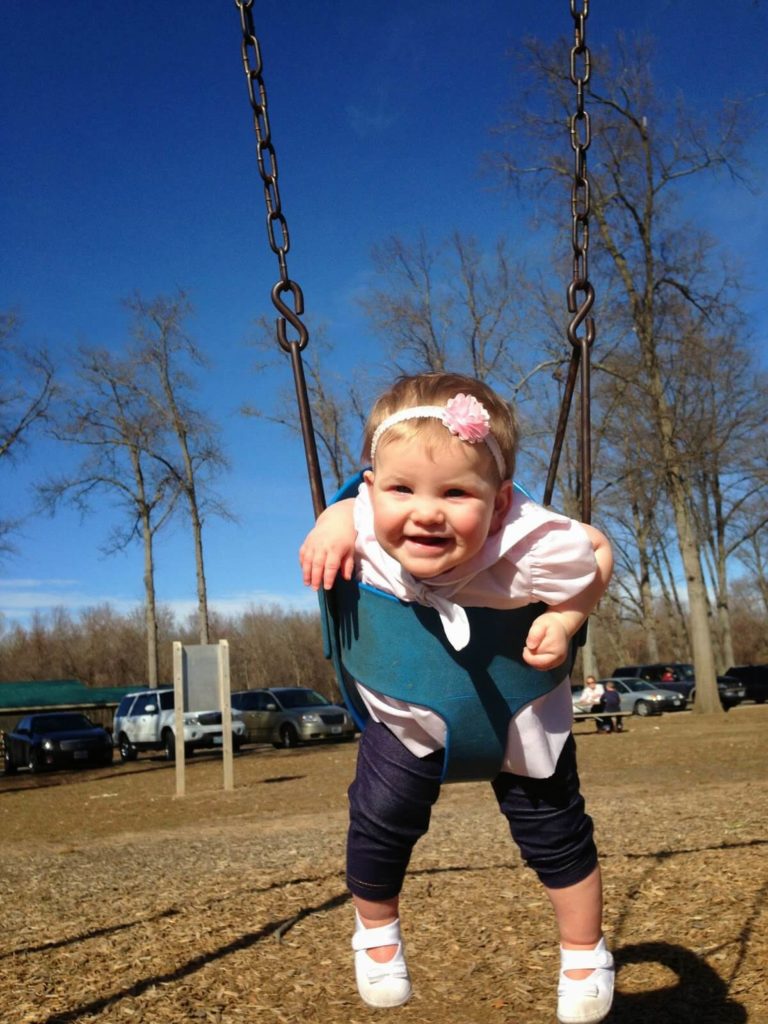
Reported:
(103, 647)
(276, 647)
(680, 438)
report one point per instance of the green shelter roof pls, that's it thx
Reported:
(59, 693)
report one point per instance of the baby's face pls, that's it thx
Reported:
(434, 509)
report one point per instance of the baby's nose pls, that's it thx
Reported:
(427, 511)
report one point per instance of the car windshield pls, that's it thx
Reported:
(60, 723)
(684, 671)
(640, 684)
(297, 697)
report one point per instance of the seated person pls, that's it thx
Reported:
(591, 697)
(611, 703)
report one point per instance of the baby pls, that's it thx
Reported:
(438, 522)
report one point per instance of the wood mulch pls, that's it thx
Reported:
(125, 905)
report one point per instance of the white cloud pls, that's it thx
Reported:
(238, 603)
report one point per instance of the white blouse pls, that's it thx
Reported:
(537, 555)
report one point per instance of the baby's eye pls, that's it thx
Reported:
(455, 492)
(402, 489)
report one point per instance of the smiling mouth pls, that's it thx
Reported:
(428, 542)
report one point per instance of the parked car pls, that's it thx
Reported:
(288, 715)
(755, 680)
(643, 698)
(731, 691)
(56, 739)
(146, 720)
(683, 681)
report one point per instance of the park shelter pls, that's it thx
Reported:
(26, 697)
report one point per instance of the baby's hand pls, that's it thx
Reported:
(547, 643)
(328, 548)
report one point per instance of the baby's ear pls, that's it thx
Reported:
(368, 477)
(501, 505)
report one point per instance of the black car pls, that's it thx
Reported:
(755, 680)
(56, 739)
(731, 691)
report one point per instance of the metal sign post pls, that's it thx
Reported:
(201, 682)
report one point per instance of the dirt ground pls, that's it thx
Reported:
(122, 903)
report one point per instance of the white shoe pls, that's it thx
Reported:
(380, 985)
(587, 1001)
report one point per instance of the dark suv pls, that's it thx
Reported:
(732, 691)
(755, 680)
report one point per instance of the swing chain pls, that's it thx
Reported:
(267, 162)
(580, 129)
(276, 222)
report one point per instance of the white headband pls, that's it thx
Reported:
(463, 415)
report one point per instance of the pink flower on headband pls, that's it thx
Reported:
(467, 418)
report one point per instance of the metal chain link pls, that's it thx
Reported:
(267, 161)
(278, 226)
(580, 130)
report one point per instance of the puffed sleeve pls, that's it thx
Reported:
(560, 561)
(363, 517)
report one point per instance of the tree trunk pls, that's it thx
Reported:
(588, 657)
(150, 604)
(202, 590)
(678, 488)
(190, 492)
(726, 658)
(646, 594)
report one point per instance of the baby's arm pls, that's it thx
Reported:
(329, 547)
(550, 634)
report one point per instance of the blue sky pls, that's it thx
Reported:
(129, 164)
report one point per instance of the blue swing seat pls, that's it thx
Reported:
(399, 649)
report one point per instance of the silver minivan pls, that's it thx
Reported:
(288, 715)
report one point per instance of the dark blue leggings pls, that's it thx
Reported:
(391, 801)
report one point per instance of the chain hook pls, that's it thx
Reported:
(289, 315)
(581, 312)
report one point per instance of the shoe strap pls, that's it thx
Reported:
(585, 959)
(369, 938)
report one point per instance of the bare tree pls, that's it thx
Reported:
(753, 554)
(27, 389)
(733, 473)
(447, 306)
(642, 153)
(163, 348)
(108, 417)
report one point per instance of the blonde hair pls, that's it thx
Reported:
(436, 389)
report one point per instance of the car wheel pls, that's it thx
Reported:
(169, 746)
(34, 762)
(127, 750)
(8, 766)
(288, 737)
(642, 708)
(236, 744)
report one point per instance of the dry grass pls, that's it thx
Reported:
(123, 904)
